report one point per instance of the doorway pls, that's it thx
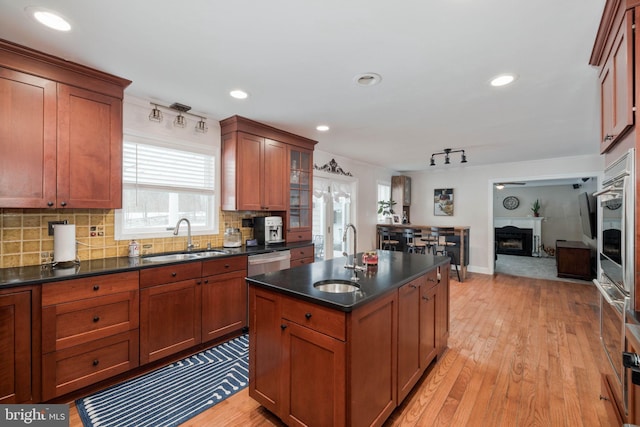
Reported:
(332, 211)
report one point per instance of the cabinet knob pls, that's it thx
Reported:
(283, 326)
(96, 319)
(206, 281)
(227, 266)
(307, 315)
(198, 282)
(49, 204)
(96, 287)
(174, 274)
(63, 204)
(96, 362)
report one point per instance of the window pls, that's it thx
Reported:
(384, 193)
(163, 182)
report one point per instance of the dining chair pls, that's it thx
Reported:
(387, 242)
(413, 242)
(443, 246)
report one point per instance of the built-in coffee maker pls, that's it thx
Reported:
(267, 230)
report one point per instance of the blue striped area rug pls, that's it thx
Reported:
(173, 394)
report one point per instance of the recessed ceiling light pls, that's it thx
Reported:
(49, 18)
(503, 79)
(367, 79)
(239, 94)
(322, 128)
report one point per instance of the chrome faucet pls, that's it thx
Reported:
(175, 232)
(355, 267)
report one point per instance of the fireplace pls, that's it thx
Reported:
(513, 240)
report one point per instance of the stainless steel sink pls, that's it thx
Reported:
(170, 257)
(337, 286)
(183, 256)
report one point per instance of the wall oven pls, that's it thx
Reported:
(615, 281)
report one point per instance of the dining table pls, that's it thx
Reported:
(458, 242)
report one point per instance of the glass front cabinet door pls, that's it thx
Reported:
(300, 186)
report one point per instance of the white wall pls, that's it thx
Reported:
(473, 195)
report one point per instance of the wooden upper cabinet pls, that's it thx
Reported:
(27, 140)
(255, 174)
(60, 132)
(616, 59)
(89, 149)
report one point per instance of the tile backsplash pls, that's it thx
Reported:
(25, 240)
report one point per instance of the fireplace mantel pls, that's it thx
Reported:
(530, 222)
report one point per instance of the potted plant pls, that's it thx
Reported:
(385, 207)
(535, 207)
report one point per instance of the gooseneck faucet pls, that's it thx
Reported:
(355, 267)
(175, 232)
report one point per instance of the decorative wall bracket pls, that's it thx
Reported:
(332, 167)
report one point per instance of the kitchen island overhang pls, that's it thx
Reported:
(317, 358)
(394, 269)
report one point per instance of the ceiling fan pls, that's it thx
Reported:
(501, 185)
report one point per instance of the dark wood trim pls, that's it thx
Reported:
(242, 124)
(27, 60)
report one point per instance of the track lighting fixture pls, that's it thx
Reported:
(180, 120)
(446, 153)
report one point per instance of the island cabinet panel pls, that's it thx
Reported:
(409, 337)
(15, 347)
(442, 315)
(169, 319)
(313, 377)
(372, 377)
(265, 349)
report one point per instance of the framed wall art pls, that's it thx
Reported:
(443, 202)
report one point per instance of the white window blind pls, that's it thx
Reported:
(163, 182)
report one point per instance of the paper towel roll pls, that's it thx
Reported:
(64, 242)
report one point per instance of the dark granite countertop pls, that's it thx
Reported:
(394, 269)
(36, 274)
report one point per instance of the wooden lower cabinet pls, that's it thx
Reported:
(89, 331)
(16, 357)
(311, 365)
(302, 255)
(169, 319)
(313, 372)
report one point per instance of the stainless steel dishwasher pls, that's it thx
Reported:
(271, 261)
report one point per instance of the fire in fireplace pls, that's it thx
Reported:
(513, 240)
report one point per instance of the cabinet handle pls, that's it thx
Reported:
(49, 204)
(226, 266)
(174, 274)
(96, 287)
(430, 279)
(426, 298)
(609, 137)
(96, 319)
(307, 315)
(413, 286)
(283, 326)
(604, 398)
(63, 204)
(96, 362)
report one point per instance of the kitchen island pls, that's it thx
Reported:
(346, 359)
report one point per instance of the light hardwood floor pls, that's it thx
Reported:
(522, 352)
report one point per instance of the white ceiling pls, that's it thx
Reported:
(297, 59)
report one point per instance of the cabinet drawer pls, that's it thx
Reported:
(224, 265)
(322, 319)
(298, 236)
(78, 322)
(301, 261)
(431, 278)
(303, 252)
(76, 367)
(88, 287)
(170, 273)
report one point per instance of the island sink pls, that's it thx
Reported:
(337, 286)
